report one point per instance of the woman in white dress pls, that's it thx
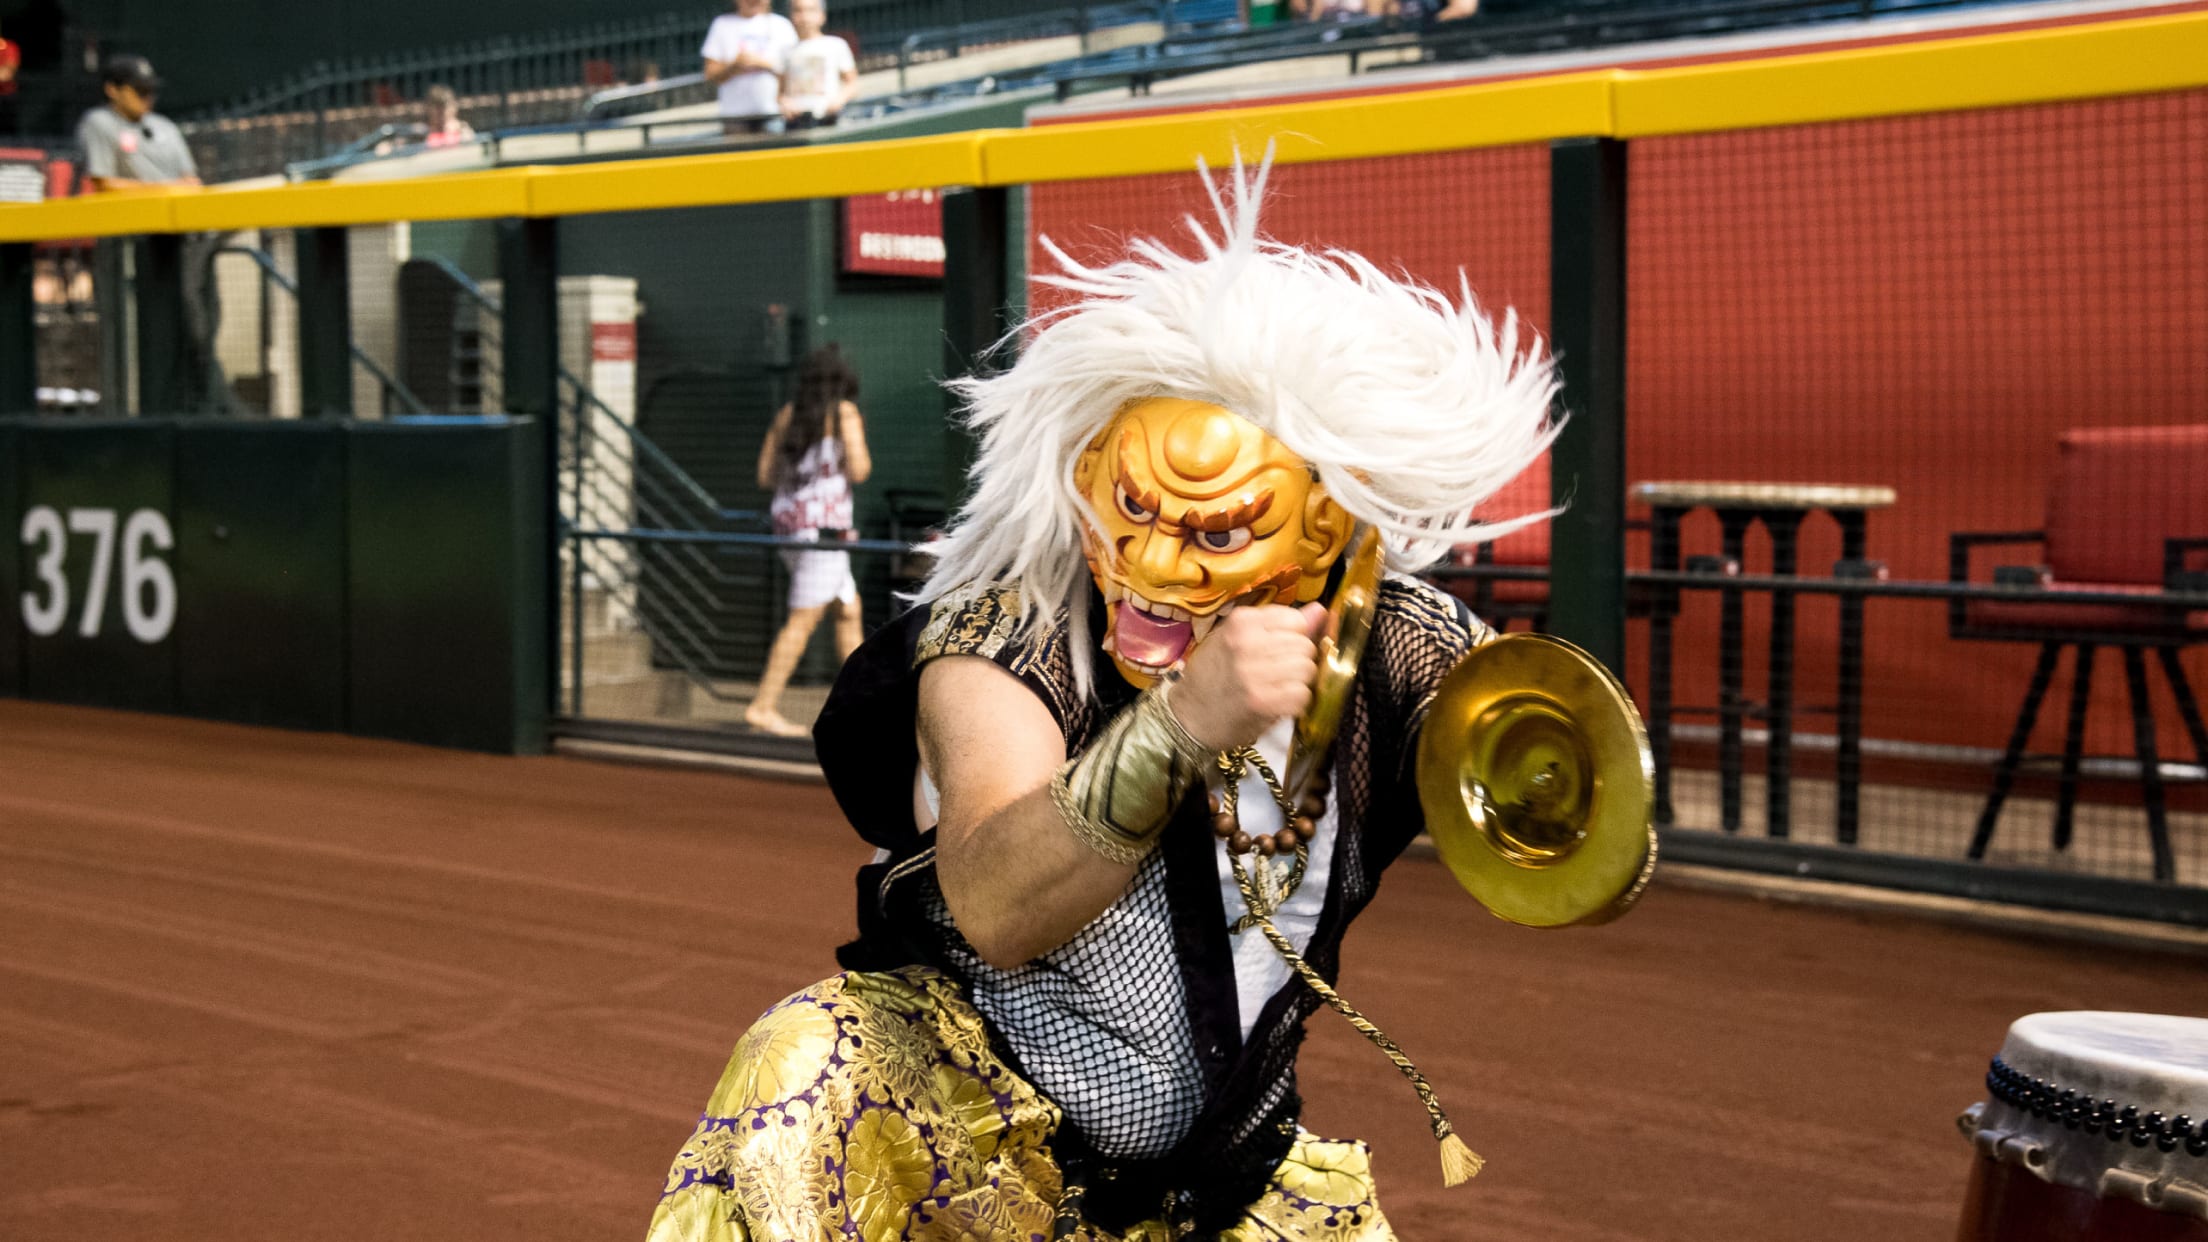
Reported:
(814, 453)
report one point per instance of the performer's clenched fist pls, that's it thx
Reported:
(1254, 668)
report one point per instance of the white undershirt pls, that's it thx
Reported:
(1259, 970)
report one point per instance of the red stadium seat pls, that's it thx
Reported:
(2126, 514)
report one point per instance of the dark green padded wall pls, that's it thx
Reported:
(385, 578)
(260, 566)
(447, 584)
(119, 469)
(11, 552)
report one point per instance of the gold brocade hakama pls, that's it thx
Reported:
(870, 1106)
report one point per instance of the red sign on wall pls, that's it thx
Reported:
(613, 342)
(894, 234)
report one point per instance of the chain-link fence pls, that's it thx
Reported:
(1909, 449)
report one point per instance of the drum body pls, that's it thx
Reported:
(2095, 1129)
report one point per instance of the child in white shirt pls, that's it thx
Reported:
(819, 75)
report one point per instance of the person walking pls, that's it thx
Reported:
(813, 455)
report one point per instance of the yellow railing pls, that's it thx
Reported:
(2127, 56)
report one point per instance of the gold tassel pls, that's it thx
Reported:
(1459, 1163)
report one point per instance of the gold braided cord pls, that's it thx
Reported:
(1458, 1162)
(1232, 764)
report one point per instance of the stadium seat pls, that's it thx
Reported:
(2126, 514)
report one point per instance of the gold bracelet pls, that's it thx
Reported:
(1119, 794)
(1122, 850)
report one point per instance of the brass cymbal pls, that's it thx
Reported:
(1538, 784)
(1341, 650)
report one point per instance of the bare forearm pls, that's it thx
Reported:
(1020, 884)
(769, 447)
(1029, 850)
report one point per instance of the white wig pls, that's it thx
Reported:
(1411, 407)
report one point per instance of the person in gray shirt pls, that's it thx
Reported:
(127, 144)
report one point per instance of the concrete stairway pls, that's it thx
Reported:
(619, 682)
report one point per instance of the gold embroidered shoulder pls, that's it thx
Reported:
(986, 622)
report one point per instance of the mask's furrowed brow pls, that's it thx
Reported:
(1244, 511)
(1124, 474)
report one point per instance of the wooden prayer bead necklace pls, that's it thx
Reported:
(1299, 820)
(1267, 890)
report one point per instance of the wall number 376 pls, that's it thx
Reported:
(148, 586)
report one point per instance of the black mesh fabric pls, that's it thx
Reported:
(1100, 1023)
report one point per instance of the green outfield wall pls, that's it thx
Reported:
(385, 579)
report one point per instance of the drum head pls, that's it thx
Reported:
(2156, 1061)
(2105, 1103)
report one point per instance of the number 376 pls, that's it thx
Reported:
(149, 589)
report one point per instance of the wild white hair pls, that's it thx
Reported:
(1412, 408)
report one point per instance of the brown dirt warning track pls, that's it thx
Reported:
(263, 985)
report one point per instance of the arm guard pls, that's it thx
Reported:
(1119, 793)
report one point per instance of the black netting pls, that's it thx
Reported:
(1101, 1023)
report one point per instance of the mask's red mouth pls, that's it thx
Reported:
(1145, 640)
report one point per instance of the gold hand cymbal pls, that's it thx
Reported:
(1341, 650)
(1537, 783)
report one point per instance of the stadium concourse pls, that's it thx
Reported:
(273, 985)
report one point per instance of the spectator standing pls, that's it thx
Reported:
(821, 75)
(446, 129)
(126, 144)
(744, 53)
(813, 455)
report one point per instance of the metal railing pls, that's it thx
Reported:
(515, 80)
(641, 536)
(397, 398)
(918, 47)
(543, 89)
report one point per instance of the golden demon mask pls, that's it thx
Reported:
(1201, 512)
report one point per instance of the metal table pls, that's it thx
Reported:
(1781, 507)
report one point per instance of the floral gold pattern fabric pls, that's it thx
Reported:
(870, 1106)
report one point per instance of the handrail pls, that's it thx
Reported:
(738, 539)
(359, 150)
(324, 76)
(651, 513)
(584, 392)
(689, 661)
(2092, 59)
(267, 263)
(657, 455)
(645, 90)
